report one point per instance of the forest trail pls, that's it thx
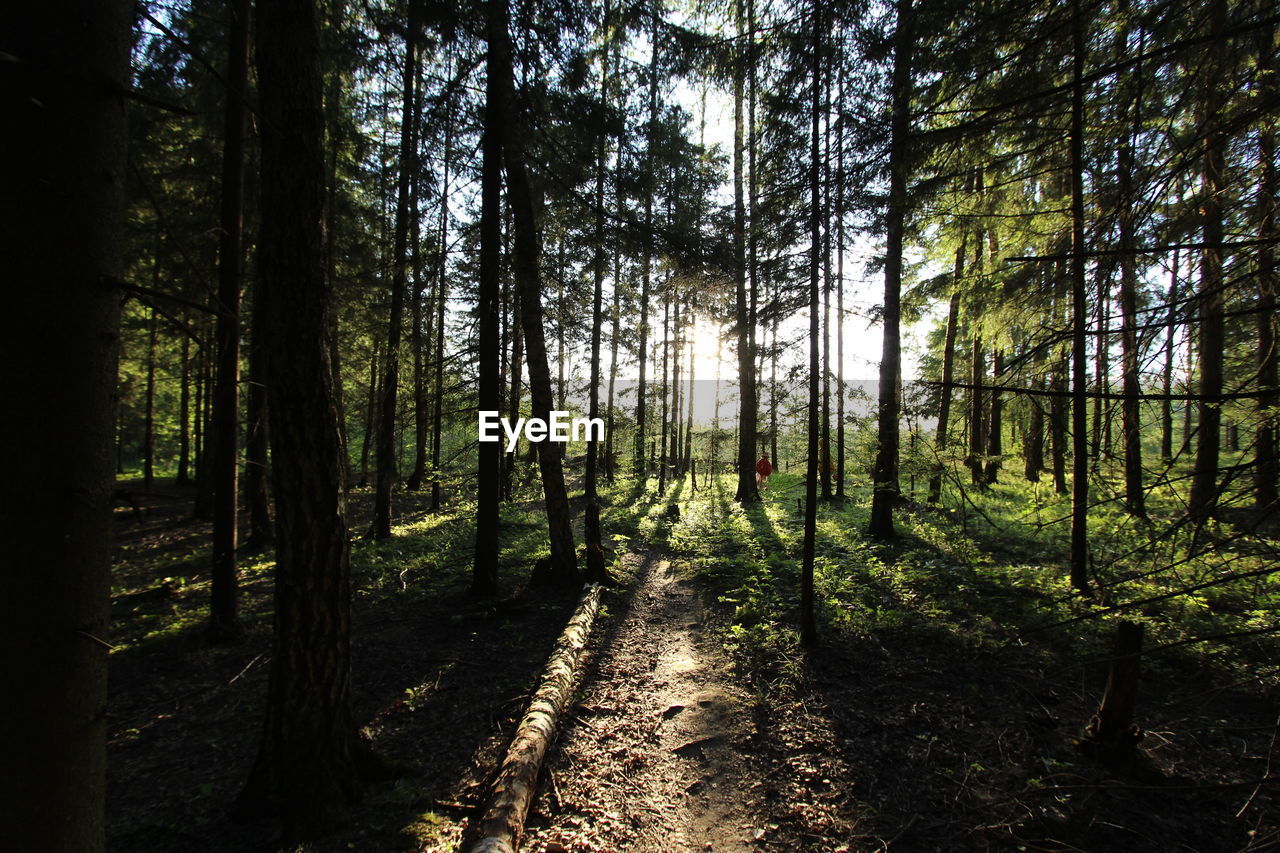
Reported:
(654, 756)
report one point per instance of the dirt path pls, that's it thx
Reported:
(656, 754)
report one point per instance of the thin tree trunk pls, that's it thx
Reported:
(1212, 327)
(995, 434)
(224, 618)
(484, 578)
(840, 189)
(418, 339)
(564, 561)
(371, 411)
(1170, 347)
(1079, 318)
(258, 497)
(808, 621)
(948, 373)
(887, 489)
(1135, 493)
(746, 491)
(149, 416)
(648, 249)
(1266, 472)
(184, 416)
(386, 474)
(442, 290)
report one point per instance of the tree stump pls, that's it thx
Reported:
(1111, 735)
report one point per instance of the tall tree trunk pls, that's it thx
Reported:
(1131, 385)
(442, 294)
(1212, 327)
(1079, 318)
(885, 476)
(1266, 472)
(808, 621)
(564, 560)
(840, 189)
(648, 249)
(310, 758)
(948, 372)
(825, 453)
(418, 339)
(484, 578)
(63, 177)
(224, 617)
(666, 352)
(386, 474)
(746, 491)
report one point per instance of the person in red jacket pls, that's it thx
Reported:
(763, 469)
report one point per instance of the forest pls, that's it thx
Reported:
(933, 350)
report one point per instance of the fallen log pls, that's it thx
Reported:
(502, 822)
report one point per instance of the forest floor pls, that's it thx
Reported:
(924, 721)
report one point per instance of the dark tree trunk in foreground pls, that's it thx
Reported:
(309, 761)
(886, 487)
(564, 560)
(1131, 385)
(484, 578)
(386, 474)
(224, 618)
(646, 276)
(1079, 319)
(63, 183)
(418, 337)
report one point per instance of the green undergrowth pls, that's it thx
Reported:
(986, 572)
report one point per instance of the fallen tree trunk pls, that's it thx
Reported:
(502, 821)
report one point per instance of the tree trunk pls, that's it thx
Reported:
(746, 457)
(256, 458)
(1170, 346)
(887, 489)
(808, 621)
(1266, 472)
(149, 417)
(1212, 329)
(309, 760)
(647, 251)
(224, 617)
(442, 292)
(977, 417)
(484, 579)
(948, 375)
(1079, 318)
(386, 474)
(418, 339)
(184, 416)
(995, 445)
(564, 560)
(64, 178)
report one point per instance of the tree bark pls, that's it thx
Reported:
(564, 560)
(484, 578)
(63, 230)
(1266, 472)
(386, 474)
(310, 758)
(224, 618)
(808, 621)
(948, 376)
(747, 415)
(1079, 317)
(887, 489)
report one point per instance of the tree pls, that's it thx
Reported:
(885, 476)
(63, 177)
(224, 619)
(311, 761)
